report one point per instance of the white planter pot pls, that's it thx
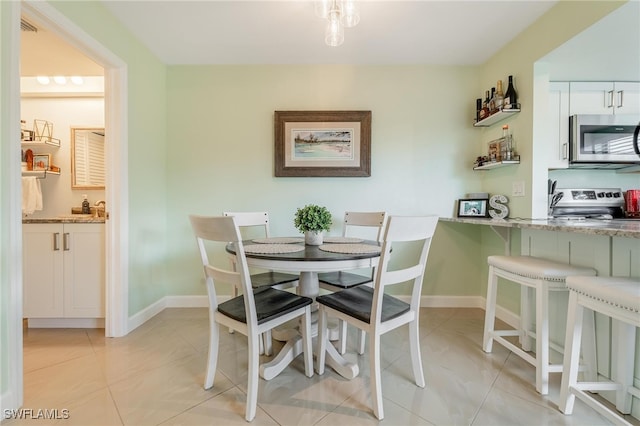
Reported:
(313, 238)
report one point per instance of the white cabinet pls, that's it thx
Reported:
(604, 97)
(63, 270)
(558, 125)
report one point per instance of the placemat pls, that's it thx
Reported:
(278, 240)
(345, 240)
(272, 248)
(350, 248)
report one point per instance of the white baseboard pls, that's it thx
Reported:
(65, 322)
(146, 314)
(7, 402)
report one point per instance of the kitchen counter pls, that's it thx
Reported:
(613, 227)
(65, 219)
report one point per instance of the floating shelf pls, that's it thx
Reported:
(47, 141)
(497, 164)
(40, 174)
(496, 117)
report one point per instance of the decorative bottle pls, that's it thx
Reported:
(492, 101)
(484, 112)
(510, 96)
(478, 109)
(86, 209)
(499, 97)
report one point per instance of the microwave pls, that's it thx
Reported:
(602, 141)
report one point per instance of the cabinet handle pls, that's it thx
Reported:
(565, 154)
(56, 241)
(610, 92)
(65, 241)
(620, 98)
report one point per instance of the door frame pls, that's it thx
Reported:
(116, 193)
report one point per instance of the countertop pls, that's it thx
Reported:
(65, 219)
(613, 227)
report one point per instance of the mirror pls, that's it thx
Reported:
(87, 158)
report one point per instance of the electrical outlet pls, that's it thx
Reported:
(517, 189)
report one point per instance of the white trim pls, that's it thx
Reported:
(66, 322)
(188, 301)
(6, 402)
(146, 314)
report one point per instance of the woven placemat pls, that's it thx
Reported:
(344, 240)
(278, 240)
(272, 248)
(350, 248)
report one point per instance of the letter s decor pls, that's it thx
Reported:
(498, 202)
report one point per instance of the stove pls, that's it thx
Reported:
(594, 203)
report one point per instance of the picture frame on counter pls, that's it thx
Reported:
(473, 207)
(41, 161)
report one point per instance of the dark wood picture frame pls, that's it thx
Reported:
(349, 155)
(473, 207)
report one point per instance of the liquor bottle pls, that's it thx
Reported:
(492, 101)
(484, 113)
(510, 96)
(499, 97)
(478, 109)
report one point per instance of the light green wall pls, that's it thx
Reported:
(221, 119)
(147, 115)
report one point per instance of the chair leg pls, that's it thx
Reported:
(542, 338)
(490, 311)
(322, 340)
(305, 329)
(234, 293)
(416, 359)
(571, 362)
(268, 343)
(212, 358)
(343, 337)
(252, 386)
(588, 345)
(362, 337)
(525, 318)
(623, 373)
(376, 380)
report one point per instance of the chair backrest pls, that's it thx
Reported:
(364, 219)
(224, 230)
(403, 229)
(252, 219)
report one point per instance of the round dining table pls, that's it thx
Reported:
(292, 255)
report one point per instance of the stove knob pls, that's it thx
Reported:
(616, 195)
(609, 195)
(600, 194)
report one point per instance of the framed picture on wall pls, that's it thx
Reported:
(473, 207)
(322, 143)
(41, 161)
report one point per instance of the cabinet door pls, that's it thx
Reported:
(84, 274)
(558, 125)
(591, 98)
(627, 98)
(42, 270)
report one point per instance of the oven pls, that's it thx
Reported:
(581, 203)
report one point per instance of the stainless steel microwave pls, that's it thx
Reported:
(602, 140)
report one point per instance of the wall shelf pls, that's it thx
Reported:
(497, 164)
(45, 142)
(40, 174)
(496, 117)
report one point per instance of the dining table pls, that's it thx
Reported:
(291, 254)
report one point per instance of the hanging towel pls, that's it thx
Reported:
(31, 195)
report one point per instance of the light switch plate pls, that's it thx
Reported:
(518, 189)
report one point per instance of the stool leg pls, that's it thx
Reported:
(490, 311)
(525, 318)
(623, 369)
(571, 364)
(589, 351)
(542, 338)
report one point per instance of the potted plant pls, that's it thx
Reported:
(312, 220)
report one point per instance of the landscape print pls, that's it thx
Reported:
(333, 144)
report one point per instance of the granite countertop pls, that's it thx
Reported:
(613, 227)
(75, 218)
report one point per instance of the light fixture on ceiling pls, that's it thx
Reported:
(59, 80)
(340, 14)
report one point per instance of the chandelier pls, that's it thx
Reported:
(340, 14)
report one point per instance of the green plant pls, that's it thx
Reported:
(312, 218)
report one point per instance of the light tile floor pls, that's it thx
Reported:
(154, 376)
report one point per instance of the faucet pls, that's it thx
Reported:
(100, 204)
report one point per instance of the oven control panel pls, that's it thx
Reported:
(611, 197)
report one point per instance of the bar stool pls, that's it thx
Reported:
(536, 274)
(618, 298)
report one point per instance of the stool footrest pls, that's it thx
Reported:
(597, 386)
(506, 333)
(497, 337)
(599, 407)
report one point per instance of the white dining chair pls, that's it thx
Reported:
(256, 225)
(370, 224)
(252, 313)
(374, 311)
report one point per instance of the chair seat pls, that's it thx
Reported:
(358, 303)
(270, 303)
(272, 278)
(537, 268)
(620, 292)
(342, 279)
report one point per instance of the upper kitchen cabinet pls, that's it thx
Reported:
(602, 97)
(558, 125)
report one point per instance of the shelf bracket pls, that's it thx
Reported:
(505, 235)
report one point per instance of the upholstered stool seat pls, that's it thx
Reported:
(541, 276)
(619, 299)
